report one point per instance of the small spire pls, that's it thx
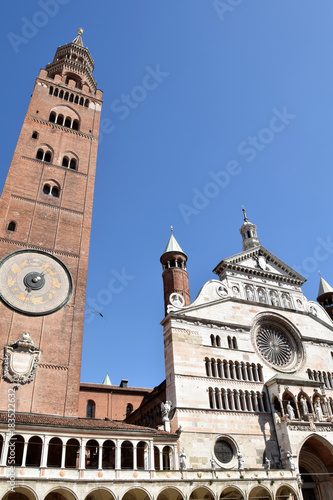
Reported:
(171, 227)
(78, 38)
(324, 287)
(107, 380)
(244, 213)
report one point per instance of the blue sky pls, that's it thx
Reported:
(237, 110)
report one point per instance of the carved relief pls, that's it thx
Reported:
(21, 360)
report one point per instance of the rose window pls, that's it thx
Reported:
(277, 346)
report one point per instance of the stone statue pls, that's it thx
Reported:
(277, 416)
(304, 405)
(165, 409)
(212, 464)
(291, 461)
(319, 411)
(249, 293)
(261, 296)
(182, 459)
(290, 411)
(274, 299)
(267, 463)
(240, 461)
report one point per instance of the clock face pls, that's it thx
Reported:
(34, 282)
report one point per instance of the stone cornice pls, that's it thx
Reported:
(66, 169)
(47, 205)
(61, 127)
(38, 247)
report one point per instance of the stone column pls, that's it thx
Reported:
(45, 449)
(243, 401)
(151, 465)
(161, 459)
(100, 456)
(221, 370)
(238, 405)
(249, 399)
(219, 398)
(82, 460)
(4, 452)
(63, 456)
(239, 372)
(225, 400)
(256, 374)
(256, 402)
(117, 455)
(233, 372)
(250, 373)
(24, 456)
(261, 406)
(261, 375)
(244, 370)
(227, 369)
(215, 370)
(232, 400)
(175, 458)
(135, 456)
(209, 367)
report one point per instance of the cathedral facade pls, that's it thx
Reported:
(246, 408)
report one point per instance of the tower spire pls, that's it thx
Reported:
(175, 277)
(249, 233)
(325, 296)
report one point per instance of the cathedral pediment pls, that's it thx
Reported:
(258, 261)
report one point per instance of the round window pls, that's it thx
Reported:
(278, 345)
(223, 451)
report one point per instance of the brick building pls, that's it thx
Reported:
(246, 409)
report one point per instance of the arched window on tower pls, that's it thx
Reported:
(11, 226)
(44, 155)
(51, 90)
(129, 408)
(72, 164)
(75, 125)
(34, 135)
(51, 189)
(65, 161)
(40, 154)
(52, 117)
(47, 156)
(91, 407)
(68, 122)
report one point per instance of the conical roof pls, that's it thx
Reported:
(107, 380)
(324, 287)
(173, 245)
(78, 38)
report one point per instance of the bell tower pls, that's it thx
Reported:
(45, 214)
(175, 277)
(325, 296)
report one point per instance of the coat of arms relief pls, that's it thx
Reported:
(21, 360)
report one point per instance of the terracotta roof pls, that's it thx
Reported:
(78, 423)
(86, 385)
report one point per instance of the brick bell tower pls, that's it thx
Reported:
(175, 278)
(45, 214)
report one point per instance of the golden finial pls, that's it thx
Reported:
(319, 273)
(80, 31)
(245, 217)
(171, 227)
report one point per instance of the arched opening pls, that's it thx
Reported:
(212, 340)
(229, 342)
(20, 493)
(52, 117)
(108, 460)
(34, 452)
(166, 457)
(11, 226)
(60, 119)
(40, 154)
(47, 189)
(66, 96)
(71, 98)
(316, 468)
(72, 454)
(76, 100)
(81, 101)
(126, 455)
(60, 494)
(156, 458)
(51, 90)
(231, 494)
(61, 94)
(48, 156)
(99, 494)
(75, 125)
(285, 493)
(65, 161)
(56, 92)
(86, 103)
(218, 341)
(170, 494)
(91, 454)
(15, 451)
(234, 343)
(72, 164)
(260, 493)
(91, 409)
(35, 134)
(129, 408)
(142, 455)
(54, 453)
(201, 493)
(68, 122)
(136, 494)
